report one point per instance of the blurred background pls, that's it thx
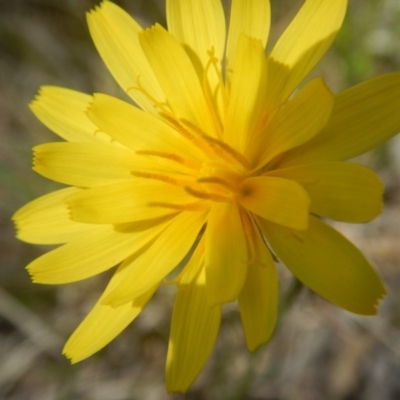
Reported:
(318, 352)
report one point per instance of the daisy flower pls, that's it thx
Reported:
(222, 166)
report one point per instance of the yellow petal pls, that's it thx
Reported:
(278, 200)
(63, 111)
(296, 123)
(363, 117)
(84, 164)
(307, 38)
(226, 254)
(200, 25)
(177, 77)
(251, 17)
(139, 130)
(194, 265)
(278, 75)
(122, 202)
(46, 220)
(248, 93)
(154, 264)
(90, 254)
(329, 264)
(194, 329)
(104, 323)
(258, 300)
(115, 35)
(341, 191)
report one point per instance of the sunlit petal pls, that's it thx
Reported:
(224, 171)
(194, 265)
(115, 35)
(46, 220)
(329, 264)
(83, 164)
(126, 201)
(226, 264)
(250, 17)
(363, 117)
(300, 120)
(341, 191)
(200, 25)
(63, 111)
(183, 90)
(107, 322)
(194, 329)
(137, 129)
(278, 200)
(159, 259)
(258, 300)
(306, 39)
(248, 93)
(90, 254)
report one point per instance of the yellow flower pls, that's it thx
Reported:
(224, 161)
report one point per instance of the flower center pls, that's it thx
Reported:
(217, 180)
(219, 177)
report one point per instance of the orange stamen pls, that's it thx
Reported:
(215, 179)
(216, 145)
(180, 207)
(206, 195)
(171, 156)
(184, 132)
(158, 177)
(240, 158)
(214, 62)
(163, 107)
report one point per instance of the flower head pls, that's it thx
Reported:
(224, 163)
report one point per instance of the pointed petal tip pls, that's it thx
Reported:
(39, 96)
(90, 13)
(32, 104)
(45, 89)
(97, 8)
(29, 270)
(70, 356)
(149, 30)
(34, 275)
(379, 300)
(373, 309)
(15, 219)
(35, 159)
(17, 229)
